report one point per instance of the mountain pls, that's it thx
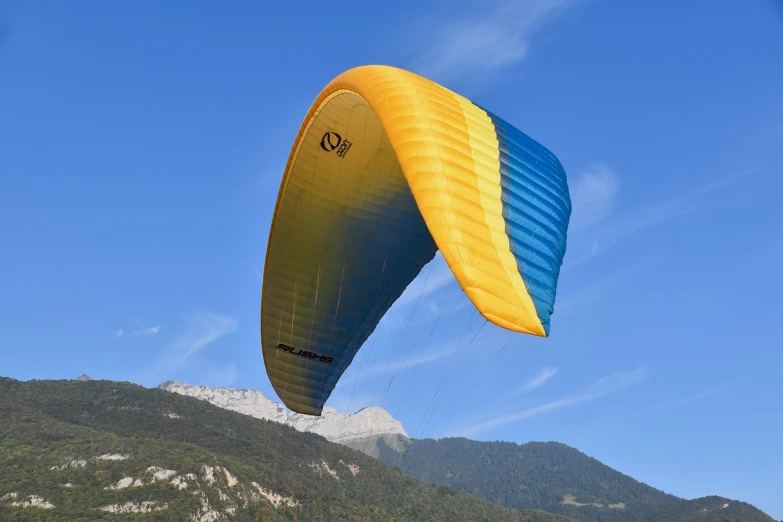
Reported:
(360, 430)
(552, 477)
(548, 476)
(102, 450)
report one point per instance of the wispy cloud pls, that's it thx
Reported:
(592, 196)
(492, 36)
(202, 329)
(600, 289)
(613, 383)
(643, 217)
(147, 330)
(217, 375)
(141, 331)
(543, 376)
(698, 396)
(387, 367)
(677, 205)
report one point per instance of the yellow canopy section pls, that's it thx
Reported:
(386, 168)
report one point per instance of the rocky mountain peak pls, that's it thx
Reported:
(370, 422)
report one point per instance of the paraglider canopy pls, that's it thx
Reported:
(387, 169)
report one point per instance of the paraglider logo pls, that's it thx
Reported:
(305, 354)
(331, 141)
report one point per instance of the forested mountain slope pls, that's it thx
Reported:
(552, 477)
(102, 450)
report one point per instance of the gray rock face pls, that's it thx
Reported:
(84, 377)
(368, 422)
(249, 402)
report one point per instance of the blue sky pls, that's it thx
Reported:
(141, 149)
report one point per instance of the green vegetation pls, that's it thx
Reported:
(552, 477)
(66, 444)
